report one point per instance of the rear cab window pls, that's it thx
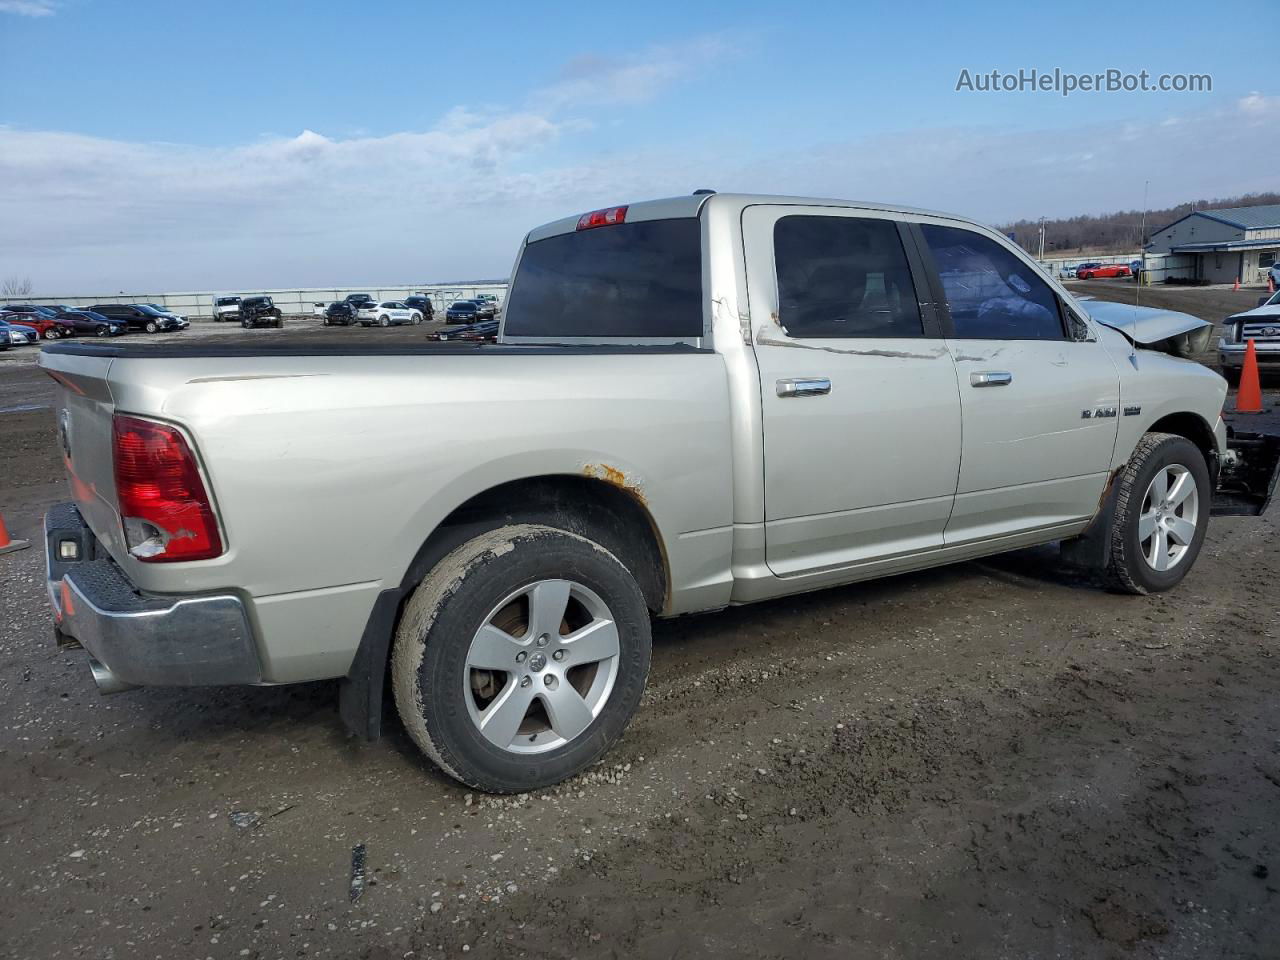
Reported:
(632, 281)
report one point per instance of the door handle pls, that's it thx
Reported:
(804, 387)
(991, 378)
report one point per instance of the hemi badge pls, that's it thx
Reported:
(1132, 411)
(1099, 414)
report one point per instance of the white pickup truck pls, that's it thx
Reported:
(695, 402)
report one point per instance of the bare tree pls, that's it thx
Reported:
(16, 287)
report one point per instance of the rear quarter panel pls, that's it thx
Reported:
(330, 472)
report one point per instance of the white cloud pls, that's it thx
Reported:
(594, 79)
(29, 8)
(93, 215)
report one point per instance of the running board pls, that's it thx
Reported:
(1247, 480)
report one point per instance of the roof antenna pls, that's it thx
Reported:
(1137, 293)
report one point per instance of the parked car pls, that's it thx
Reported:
(340, 313)
(359, 300)
(1096, 271)
(319, 309)
(387, 313)
(88, 323)
(260, 312)
(655, 455)
(30, 308)
(165, 312)
(226, 308)
(48, 328)
(486, 331)
(18, 335)
(1262, 326)
(1273, 272)
(138, 317)
(462, 311)
(422, 304)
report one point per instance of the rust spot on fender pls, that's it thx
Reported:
(612, 475)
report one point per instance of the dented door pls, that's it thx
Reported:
(860, 406)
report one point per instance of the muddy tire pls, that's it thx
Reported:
(1162, 513)
(487, 678)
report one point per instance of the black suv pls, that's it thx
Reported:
(422, 304)
(139, 317)
(340, 313)
(260, 312)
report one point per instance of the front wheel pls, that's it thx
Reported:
(51, 334)
(384, 321)
(521, 658)
(1161, 515)
(102, 332)
(151, 326)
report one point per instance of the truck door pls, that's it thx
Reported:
(859, 400)
(1039, 393)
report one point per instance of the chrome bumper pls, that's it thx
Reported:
(1232, 354)
(136, 639)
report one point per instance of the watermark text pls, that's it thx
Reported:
(1065, 83)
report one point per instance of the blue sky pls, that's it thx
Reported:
(236, 145)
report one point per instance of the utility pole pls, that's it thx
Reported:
(1041, 256)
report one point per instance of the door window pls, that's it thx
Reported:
(843, 277)
(992, 294)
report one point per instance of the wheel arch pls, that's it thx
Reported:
(602, 508)
(1193, 427)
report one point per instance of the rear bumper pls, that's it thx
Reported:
(140, 639)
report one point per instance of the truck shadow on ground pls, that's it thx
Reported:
(306, 713)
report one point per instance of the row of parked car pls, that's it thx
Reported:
(29, 322)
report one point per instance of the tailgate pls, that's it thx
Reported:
(83, 408)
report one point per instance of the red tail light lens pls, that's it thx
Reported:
(602, 218)
(165, 509)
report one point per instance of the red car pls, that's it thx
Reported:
(1091, 271)
(47, 327)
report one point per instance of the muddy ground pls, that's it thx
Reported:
(991, 760)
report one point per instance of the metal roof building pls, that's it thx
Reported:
(1224, 245)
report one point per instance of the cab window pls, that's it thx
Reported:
(992, 293)
(843, 277)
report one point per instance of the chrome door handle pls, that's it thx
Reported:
(804, 387)
(991, 378)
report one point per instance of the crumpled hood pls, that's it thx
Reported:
(1146, 325)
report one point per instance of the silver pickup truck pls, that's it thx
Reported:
(695, 402)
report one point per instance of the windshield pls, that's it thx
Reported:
(627, 280)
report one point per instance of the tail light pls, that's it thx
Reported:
(164, 506)
(602, 218)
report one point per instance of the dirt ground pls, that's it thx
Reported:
(992, 760)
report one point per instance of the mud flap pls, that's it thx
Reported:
(1247, 480)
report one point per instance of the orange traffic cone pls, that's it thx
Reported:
(1249, 396)
(1237, 286)
(1271, 284)
(7, 545)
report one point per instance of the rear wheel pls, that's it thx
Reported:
(384, 321)
(51, 334)
(1162, 513)
(521, 658)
